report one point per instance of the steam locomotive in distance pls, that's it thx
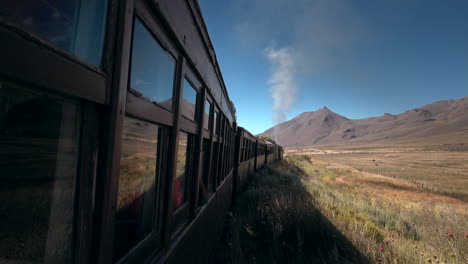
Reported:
(118, 140)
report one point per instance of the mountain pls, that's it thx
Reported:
(440, 122)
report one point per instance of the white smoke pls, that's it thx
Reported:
(283, 87)
(316, 37)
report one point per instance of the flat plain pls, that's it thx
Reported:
(396, 203)
(436, 173)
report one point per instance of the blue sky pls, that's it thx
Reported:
(359, 58)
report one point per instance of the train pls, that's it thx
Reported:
(119, 142)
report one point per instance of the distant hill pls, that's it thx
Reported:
(440, 122)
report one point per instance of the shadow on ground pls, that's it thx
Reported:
(274, 220)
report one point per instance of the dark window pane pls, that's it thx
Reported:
(205, 187)
(206, 168)
(152, 72)
(180, 184)
(76, 26)
(38, 159)
(189, 100)
(207, 118)
(136, 202)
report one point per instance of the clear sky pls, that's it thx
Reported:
(359, 58)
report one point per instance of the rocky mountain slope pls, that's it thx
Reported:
(440, 122)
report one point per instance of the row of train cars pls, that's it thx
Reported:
(118, 140)
(251, 154)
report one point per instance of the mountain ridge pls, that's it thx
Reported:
(441, 121)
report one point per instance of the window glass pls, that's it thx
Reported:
(214, 161)
(136, 202)
(189, 101)
(180, 184)
(215, 124)
(206, 165)
(152, 72)
(76, 26)
(207, 123)
(39, 136)
(205, 187)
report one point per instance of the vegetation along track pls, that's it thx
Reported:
(303, 211)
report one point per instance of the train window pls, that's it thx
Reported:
(152, 71)
(243, 150)
(189, 101)
(39, 137)
(75, 26)
(215, 116)
(207, 120)
(181, 181)
(216, 122)
(244, 154)
(214, 162)
(137, 191)
(207, 183)
(219, 175)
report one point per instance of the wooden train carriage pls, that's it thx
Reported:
(270, 155)
(116, 133)
(247, 156)
(280, 153)
(260, 154)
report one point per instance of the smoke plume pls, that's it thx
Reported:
(283, 88)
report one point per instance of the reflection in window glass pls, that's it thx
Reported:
(189, 101)
(207, 118)
(76, 26)
(38, 160)
(152, 72)
(215, 124)
(136, 200)
(180, 184)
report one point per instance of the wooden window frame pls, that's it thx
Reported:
(136, 105)
(181, 215)
(35, 62)
(21, 51)
(191, 126)
(153, 241)
(208, 135)
(210, 114)
(126, 102)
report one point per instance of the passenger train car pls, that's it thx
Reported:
(118, 139)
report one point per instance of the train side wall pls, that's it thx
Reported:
(202, 236)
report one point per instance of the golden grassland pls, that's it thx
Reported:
(390, 220)
(438, 169)
(409, 208)
(274, 220)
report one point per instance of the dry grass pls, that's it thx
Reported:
(275, 221)
(303, 206)
(388, 218)
(439, 169)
